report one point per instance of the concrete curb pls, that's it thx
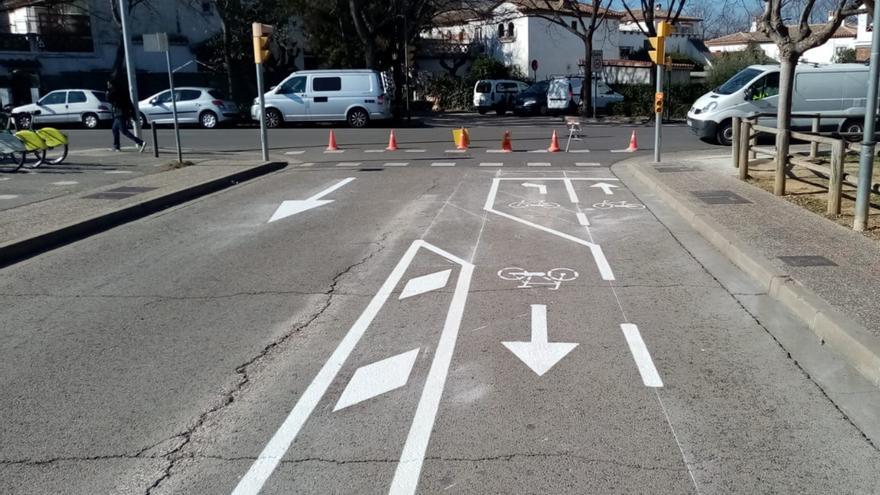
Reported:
(846, 337)
(23, 248)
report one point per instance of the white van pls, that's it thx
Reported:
(354, 96)
(496, 94)
(835, 89)
(564, 94)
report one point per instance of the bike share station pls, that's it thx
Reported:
(513, 283)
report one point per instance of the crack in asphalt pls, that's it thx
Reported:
(185, 437)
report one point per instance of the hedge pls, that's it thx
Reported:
(638, 99)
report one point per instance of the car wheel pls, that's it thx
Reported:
(724, 134)
(358, 118)
(481, 111)
(273, 118)
(543, 110)
(852, 126)
(500, 112)
(208, 120)
(90, 121)
(23, 121)
(143, 121)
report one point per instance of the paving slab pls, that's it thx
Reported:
(826, 274)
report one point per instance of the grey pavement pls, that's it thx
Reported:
(346, 348)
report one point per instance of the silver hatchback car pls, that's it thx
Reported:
(66, 106)
(207, 107)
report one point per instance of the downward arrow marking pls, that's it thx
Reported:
(538, 354)
(292, 207)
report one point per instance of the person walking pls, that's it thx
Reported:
(123, 112)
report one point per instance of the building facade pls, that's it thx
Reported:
(685, 39)
(843, 39)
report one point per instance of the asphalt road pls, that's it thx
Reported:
(433, 329)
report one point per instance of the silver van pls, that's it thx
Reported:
(497, 94)
(834, 89)
(564, 94)
(354, 96)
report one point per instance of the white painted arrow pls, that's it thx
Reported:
(538, 354)
(292, 207)
(542, 189)
(605, 187)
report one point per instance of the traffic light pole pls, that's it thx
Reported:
(264, 139)
(658, 116)
(261, 34)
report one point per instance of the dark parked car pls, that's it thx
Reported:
(532, 101)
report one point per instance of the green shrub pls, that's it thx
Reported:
(638, 100)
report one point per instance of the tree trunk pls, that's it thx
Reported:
(363, 32)
(586, 88)
(227, 59)
(783, 119)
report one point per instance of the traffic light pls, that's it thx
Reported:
(657, 53)
(410, 55)
(658, 102)
(261, 41)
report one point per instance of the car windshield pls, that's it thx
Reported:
(537, 89)
(737, 82)
(484, 87)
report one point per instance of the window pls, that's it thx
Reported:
(507, 87)
(188, 94)
(765, 87)
(217, 94)
(291, 86)
(100, 95)
(54, 98)
(574, 25)
(484, 87)
(327, 84)
(501, 30)
(164, 97)
(736, 82)
(76, 97)
(461, 36)
(509, 29)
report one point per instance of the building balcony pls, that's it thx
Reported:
(40, 43)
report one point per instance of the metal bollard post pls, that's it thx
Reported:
(744, 142)
(155, 141)
(814, 146)
(737, 123)
(835, 181)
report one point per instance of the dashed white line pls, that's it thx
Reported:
(3, 179)
(456, 151)
(582, 219)
(496, 151)
(578, 151)
(640, 353)
(334, 151)
(538, 164)
(538, 151)
(396, 164)
(491, 164)
(65, 183)
(307, 164)
(443, 164)
(587, 164)
(348, 164)
(295, 152)
(119, 172)
(8, 196)
(374, 151)
(414, 151)
(569, 188)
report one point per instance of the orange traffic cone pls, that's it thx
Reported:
(554, 143)
(463, 140)
(633, 142)
(506, 145)
(392, 142)
(331, 145)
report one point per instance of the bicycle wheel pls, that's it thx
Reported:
(11, 162)
(562, 274)
(511, 273)
(519, 204)
(55, 155)
(604, 205)
(38, 156)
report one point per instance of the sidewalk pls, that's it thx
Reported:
(41, 225)
(824, 273)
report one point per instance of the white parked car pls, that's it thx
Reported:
(66, 106)
(564, 94)
(353, 96)
(497, 94)
(207, 107)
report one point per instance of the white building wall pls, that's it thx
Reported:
(823, 54)
(558, 51)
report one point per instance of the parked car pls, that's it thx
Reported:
(564, 94)
(532, 101)
(66, 106)
(207, 107)
(836, 89)
(496, 94)
(353, 96)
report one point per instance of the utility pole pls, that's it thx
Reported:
(261, 34)
(129, 64)
(866, 159)
(658, 56)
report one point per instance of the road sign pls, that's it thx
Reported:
(535, 64)
(597, 63)
(157, 42)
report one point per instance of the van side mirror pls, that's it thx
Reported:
(748, 94)
(153, 102)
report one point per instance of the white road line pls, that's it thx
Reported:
(334, 151)
(295, 152)
(414, 151)
(8, 196)
(65, 183)
(456, 151)
(555, 178)
(4, 179)
(374, 151)
(348, 164)
(119, 172)
(443, 164)
(640, 353)
(308, 164)
(538, 151)
(496, 151)
(578, 151)
(406, 477)
(396, 164)
(569, 188)
(538, 164)
(582, 219)
(491, 164)
(252, 482)
(587, 164)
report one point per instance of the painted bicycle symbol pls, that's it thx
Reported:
(525, 203)
(552, 278)
(605, 205)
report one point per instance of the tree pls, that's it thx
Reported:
(651, 11)
(792, 41)
(581, 20)
(846, 56)
(10, 5)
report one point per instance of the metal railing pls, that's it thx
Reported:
(745, 149)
